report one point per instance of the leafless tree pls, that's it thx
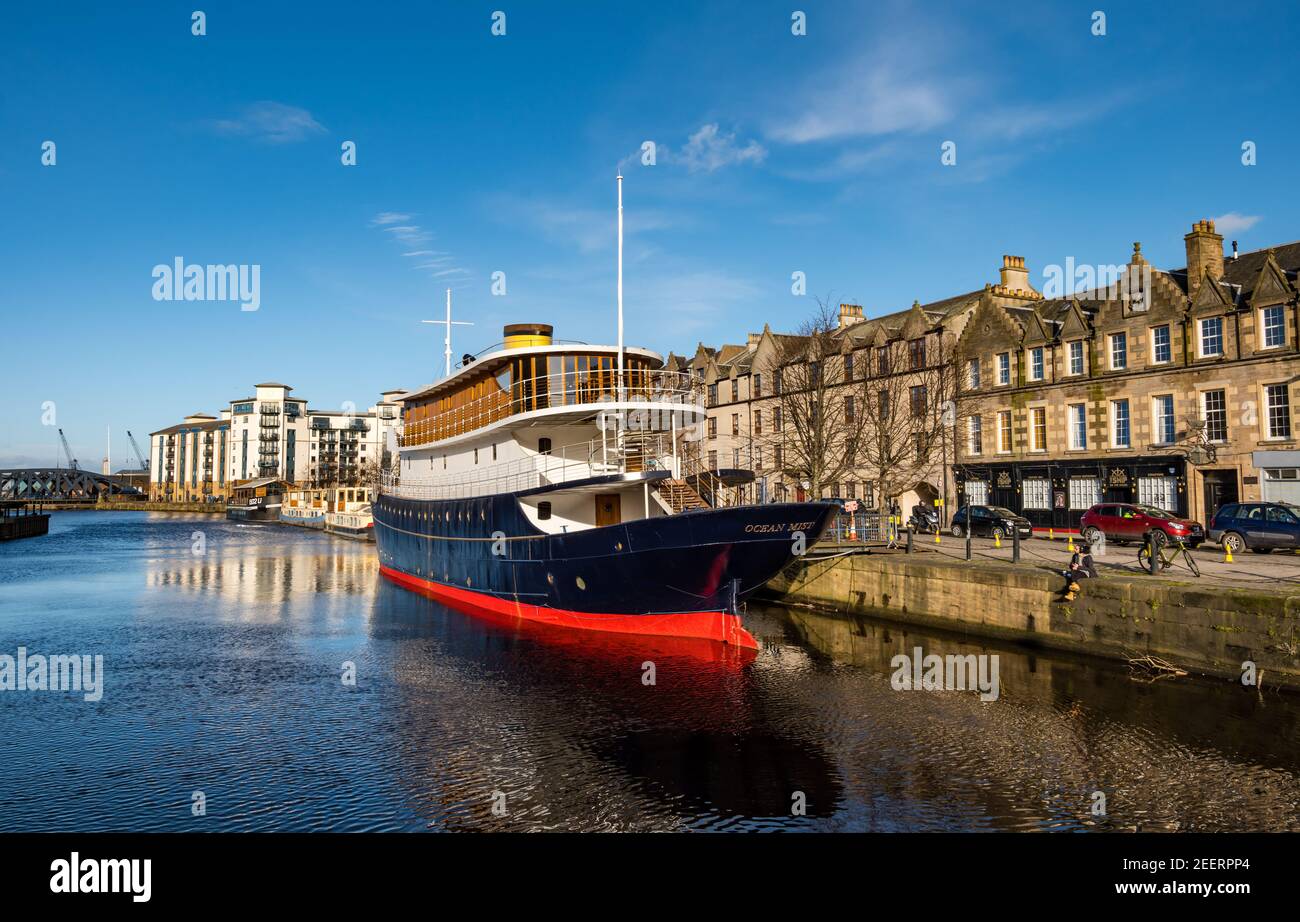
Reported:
(908, 412)
(813, 428)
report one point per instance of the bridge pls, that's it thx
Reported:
(62, 485)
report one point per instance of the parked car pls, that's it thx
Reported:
(1125, 522)
(985, 521)
(1258, 526)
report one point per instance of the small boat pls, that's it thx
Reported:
(350, 514)
(305, 508)
(21, 519)
(256, 500)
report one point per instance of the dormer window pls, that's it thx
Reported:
(1036, 363)
(1211, 339)
(1273, 327)
(1076, 357)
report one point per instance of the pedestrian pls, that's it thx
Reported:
(1081, 567)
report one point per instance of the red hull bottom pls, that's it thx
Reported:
(702, 625)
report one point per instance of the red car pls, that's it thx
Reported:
(1125, 522)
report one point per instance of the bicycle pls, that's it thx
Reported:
(1167, 554)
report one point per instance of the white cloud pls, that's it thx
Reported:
(272, 122)
(1234, 223)
(710, 149)
(870, 96)
(389, 217)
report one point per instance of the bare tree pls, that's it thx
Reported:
(908, 413)
(813, 433)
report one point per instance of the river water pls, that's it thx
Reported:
(225, 649)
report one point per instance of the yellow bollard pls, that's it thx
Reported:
(997, 537)
(1070, 542)
(1227, 553)
(1051, 535)
(936, 537)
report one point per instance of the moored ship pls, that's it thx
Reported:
(552, 483)
(256, 500)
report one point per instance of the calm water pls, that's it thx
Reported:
(223, 676)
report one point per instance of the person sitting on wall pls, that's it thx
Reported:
(1082, 566)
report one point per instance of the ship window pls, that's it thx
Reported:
(544, 446)
(543, 510)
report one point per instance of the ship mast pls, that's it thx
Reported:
(449, 324)
(620, 285)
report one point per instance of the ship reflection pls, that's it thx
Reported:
(691, 749)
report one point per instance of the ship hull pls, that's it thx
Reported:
(677, 575)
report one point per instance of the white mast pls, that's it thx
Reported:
(449, 324)
(620, 284)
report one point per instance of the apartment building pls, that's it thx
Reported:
(271, 434)
(188, 460)
(1174, 388)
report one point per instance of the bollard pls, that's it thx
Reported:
(997, 537)
(1015, 545)
(1051, 535)
(936, 537)
(909, 541)
(1227, 552)
(1069, 543)
(968, 544)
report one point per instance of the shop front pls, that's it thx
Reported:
(1055, 494)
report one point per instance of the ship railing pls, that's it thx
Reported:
(616, 453)
(595, 390)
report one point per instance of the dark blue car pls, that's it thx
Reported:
(1258, 526)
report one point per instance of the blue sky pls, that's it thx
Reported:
(477, 153)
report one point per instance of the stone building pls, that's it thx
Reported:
(1174, 388)
(738, 384)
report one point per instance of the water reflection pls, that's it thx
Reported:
(1184, 755)
(223, 674)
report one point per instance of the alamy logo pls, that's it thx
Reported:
(920, 672)
(195, 282)
(103, 875)
(57, 672)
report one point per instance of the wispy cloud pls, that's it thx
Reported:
(400, 226)
(586, 229)
(710, 149)
(870, 96)
(1235, 223)
(270, 122)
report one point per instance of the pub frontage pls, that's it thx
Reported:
(1056, 493)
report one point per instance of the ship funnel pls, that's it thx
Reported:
(523, 335)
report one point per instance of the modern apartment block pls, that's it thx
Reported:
(1175, 388)
(188, 460)
(270, 434)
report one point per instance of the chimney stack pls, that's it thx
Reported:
(1015, 277)
(1204, 251)
(850, 314)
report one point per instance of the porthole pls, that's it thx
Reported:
(582, 583)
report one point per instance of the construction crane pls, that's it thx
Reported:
(144, 462)
(68, 451)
